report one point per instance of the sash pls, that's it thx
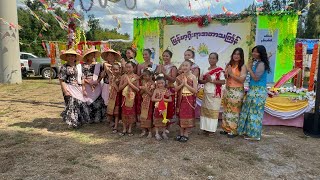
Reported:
(79, 73)
(168, 69)
(129, 95)
(112, 99)
(215, 72)
(93, 93)
(145, 105)
(97, 68)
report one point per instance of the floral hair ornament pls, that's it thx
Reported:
(149, 69)
(191, 48)
(160, 75)
(132, 60)
(191, 60)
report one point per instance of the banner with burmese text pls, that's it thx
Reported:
(222, 39)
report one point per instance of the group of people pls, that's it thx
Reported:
(127, 93)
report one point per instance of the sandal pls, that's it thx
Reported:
(184, 139)
(122, 133)
(149, 135)
(164, 135)
(231, 135)
(178, 138)
(223, 132)
(130, 134)
(158, 137)
(114, 131)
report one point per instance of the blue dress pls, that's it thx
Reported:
(250, 122)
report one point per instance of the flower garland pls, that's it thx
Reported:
(83, 8)
(302, 93)
(72, 25)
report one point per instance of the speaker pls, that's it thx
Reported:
(309, 128)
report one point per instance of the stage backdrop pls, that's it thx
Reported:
(216, 37)
(220, 34)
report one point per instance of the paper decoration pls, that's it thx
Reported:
(315, 55)
(298, 79)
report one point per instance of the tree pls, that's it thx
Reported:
(32, 30)
(313, 21)
(94, 26)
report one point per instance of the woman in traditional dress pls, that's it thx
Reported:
(130, 56)
(187, 86)
(161, 95)
(76, 111)
(140, 68)
(129, 86)
(147, 62)
(190, 55)
(91, 85)
(110, 56)
(236, 75)
(213, 79)
(114, 102)
(170, 72)
(250, 122)
(146, 91)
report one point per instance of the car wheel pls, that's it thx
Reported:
(46, 73)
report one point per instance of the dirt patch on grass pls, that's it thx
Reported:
(36, 144)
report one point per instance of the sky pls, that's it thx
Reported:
(152, 8)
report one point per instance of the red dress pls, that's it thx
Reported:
(186, 105)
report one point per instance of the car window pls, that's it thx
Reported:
(24, 56)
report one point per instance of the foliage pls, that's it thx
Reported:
(32, 34)
(96, 32)
(313, 21)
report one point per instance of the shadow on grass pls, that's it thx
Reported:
(50, 104)
(51, 124)
(97, 130)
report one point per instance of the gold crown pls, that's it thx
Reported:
(118, 63)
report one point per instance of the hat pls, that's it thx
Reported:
(106, 51)
(72, 52)
(89, 51)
